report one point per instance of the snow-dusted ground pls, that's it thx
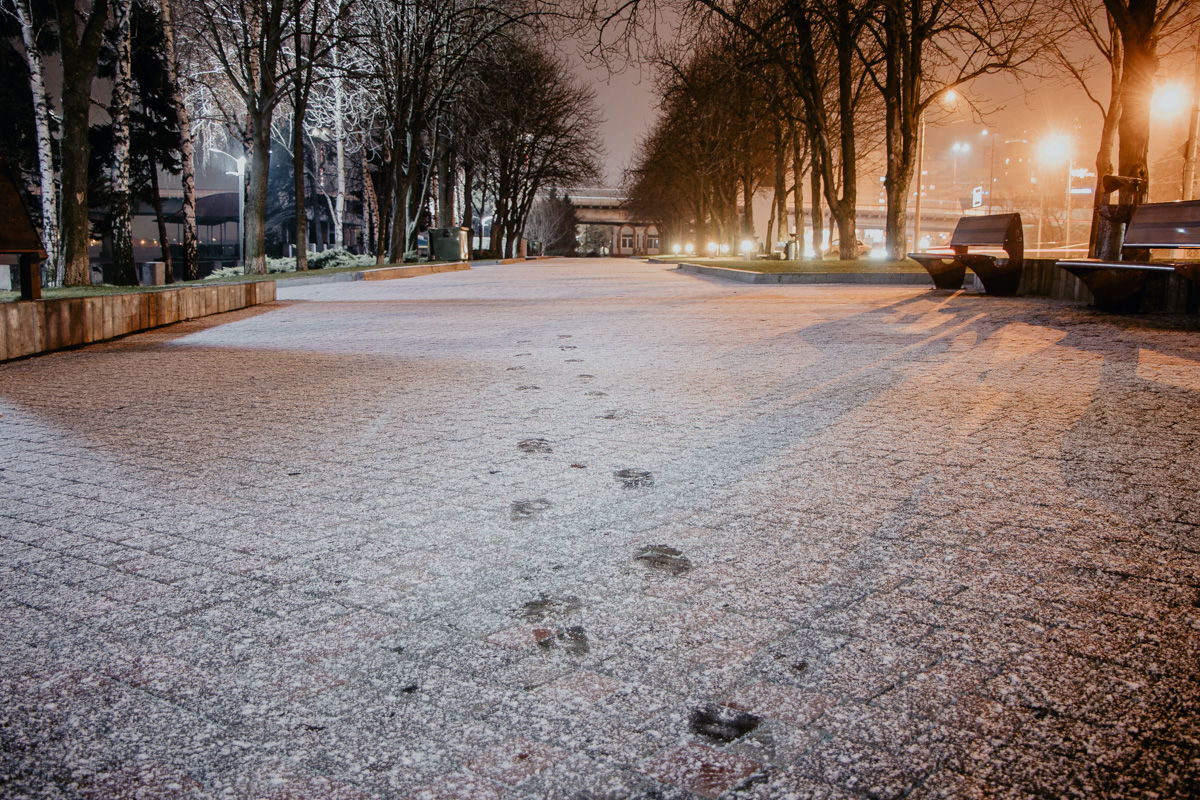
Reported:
(595, 529)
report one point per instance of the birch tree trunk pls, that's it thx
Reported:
(41, 115)
(187, 175)
(301, 85)
(125, 273)
(339, 137)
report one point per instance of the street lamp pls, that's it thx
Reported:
(959, 148)
(948, 96)
(241, 195)
(1053, 150)
(991, 169)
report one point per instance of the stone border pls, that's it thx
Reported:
(377, 273)
(29, 328)
(870, 278)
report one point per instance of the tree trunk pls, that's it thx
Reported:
(845, 207)
(818, 216)
(1108, 137)
(124, 269)
(339, 202)
(254, 237)
(370, 208)
(798, 186)
(300, 87)
(468, 219)
(445, 189)
(1140, 63)
(41, 116)
(748, 233)
(339, 138)
(79, 52)
(187, 175)
(779, 201)
(163, 240)
(298, 182)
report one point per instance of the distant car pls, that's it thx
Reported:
(834, 251)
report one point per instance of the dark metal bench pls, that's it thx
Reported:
(18, 236)
(994, 230)
(1120, 283)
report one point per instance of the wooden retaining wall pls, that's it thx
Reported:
(42, 326)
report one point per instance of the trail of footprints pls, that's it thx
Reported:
(552, 614)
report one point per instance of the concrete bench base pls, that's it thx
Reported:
(43, 326)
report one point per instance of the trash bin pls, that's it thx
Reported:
(153, 273)
(791, 251)
(448, 244)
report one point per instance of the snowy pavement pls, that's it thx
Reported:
(597, 529)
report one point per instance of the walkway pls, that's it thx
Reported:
(597, 529)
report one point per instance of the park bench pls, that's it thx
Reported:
(1119, 283)
(993, 230)
(18, 236)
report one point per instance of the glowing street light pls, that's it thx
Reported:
(1052, 151)
(713, 248)
(690, 248)
(677, 249)
(1169, 100)
(949, 97)
(959, 148)
(747, 246)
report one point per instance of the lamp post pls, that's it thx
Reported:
(241, 195)
(1189, 153)
(991, 171)
(950, 96)
(958, 147)
(1052, 151)
(920, 187)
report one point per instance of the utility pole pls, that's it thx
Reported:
(1189, 156)
(920, 168)
(991, 174)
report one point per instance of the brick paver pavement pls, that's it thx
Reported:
(594, 529)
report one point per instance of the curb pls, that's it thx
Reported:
(865, 278)
(377, 274)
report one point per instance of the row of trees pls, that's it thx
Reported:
(814, 85)
(448, 105)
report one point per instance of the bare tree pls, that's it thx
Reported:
(1142, 25)
(420, 52)
(927, 47)
(539, 127)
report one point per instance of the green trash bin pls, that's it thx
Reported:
(448, 244)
